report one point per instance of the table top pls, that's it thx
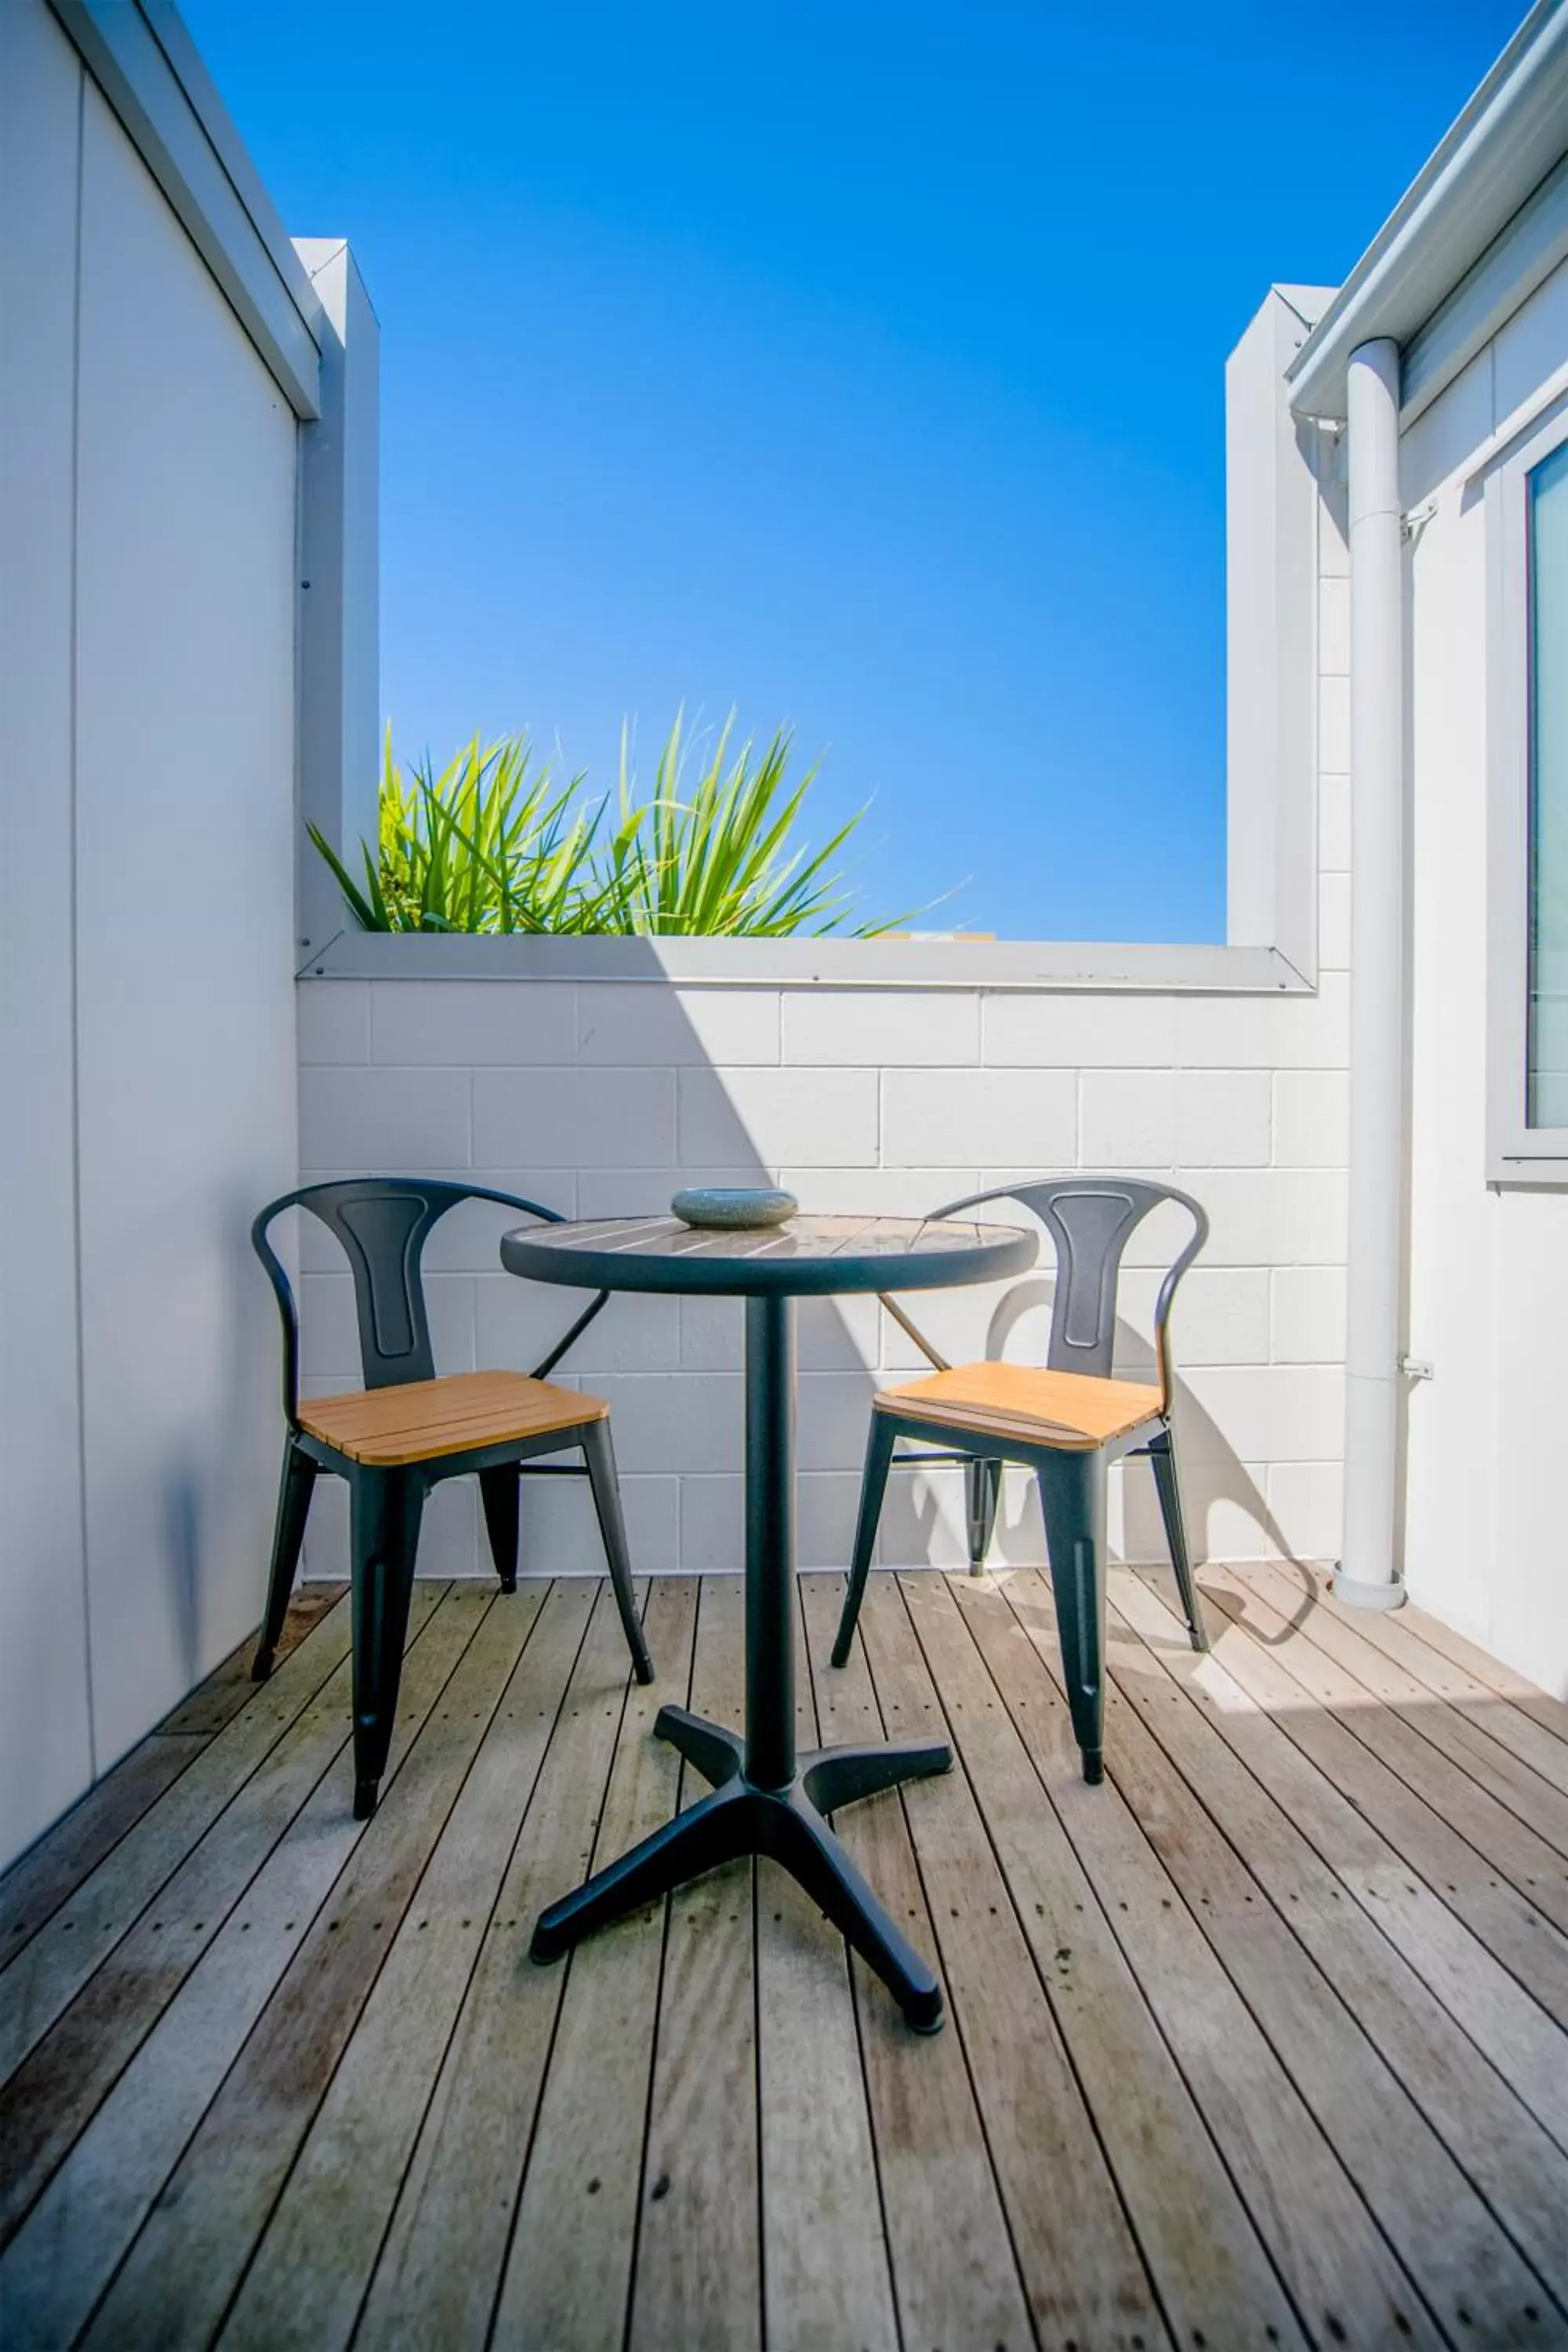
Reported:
(806, 1254)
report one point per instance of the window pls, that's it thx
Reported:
(1546, 1062)
(1527, 693)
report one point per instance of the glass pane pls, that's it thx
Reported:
(1547, 1088)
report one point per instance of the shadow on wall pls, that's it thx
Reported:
(600, 1099)
(216, 1482)
(182, 1560)
(919, 1532)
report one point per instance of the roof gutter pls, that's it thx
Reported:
(1502, 146)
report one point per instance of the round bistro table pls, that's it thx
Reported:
(761, 1797)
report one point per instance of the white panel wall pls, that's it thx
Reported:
(46, 1737)
(185, 715)
(150, 1086)
(1488, 1286)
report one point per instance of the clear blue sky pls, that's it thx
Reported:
(858, 366)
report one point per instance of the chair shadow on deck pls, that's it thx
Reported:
(914, 1531)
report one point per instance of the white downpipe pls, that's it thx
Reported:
(1367, 1571)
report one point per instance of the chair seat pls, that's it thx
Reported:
(456, 1415)
(1070, 1410)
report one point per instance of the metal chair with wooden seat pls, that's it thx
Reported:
(405, 1430)
(1067, 1423)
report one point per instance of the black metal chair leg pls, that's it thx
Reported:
(983, 1487)
(838, 1776)
(499, 1492)
(873, 1485)
(386, 1508)
(1072, 1499)
(295, 1489)
(599, 1454)
(1162, 1456)
(811, 1854)
(714, 1831)
(718, 1754)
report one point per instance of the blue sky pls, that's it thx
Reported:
(858, 366)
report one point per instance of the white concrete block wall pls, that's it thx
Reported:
(859, 1101)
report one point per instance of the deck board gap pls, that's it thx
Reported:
(561, 2002)
(1089, 2105)
(657, 2009)
(1558, 2299)
(1306, 1992)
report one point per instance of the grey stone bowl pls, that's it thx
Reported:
(733, 1208)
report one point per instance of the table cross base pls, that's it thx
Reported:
(738, 1817)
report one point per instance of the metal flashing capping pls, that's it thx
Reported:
(144, 60)
(1505, 143)
(1529, 249)
(990, 965)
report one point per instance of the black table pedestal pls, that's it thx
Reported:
(762, 1798)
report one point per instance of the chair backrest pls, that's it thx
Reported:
(1091, 1220)
(381, 1224)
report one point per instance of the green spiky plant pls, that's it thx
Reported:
(483, 846)
(491, 844)
(712, 857)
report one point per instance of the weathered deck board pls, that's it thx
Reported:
(52, 1967)
(697, 2280)
(1247, 2046)
(440, 2267)
(1159, 1875)
(229, 1688)
(309, 2273)
(1244, 1693)
(1082, 2270)
(189, 2260)
(1283, 1825)
(568, 2274)
(1514, 1784)
(102, 2193)
(825, 2275)
(1211, 2269)
(1520, 1718)
(50, 2098)
(1416, 2198)
(1471, 1851)
(35, 1887)
(954, 2274)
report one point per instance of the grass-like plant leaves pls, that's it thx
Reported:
(483, 846)
(488, 846)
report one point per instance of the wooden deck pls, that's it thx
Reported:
(1261, 2043)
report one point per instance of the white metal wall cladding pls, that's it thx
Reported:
(1484, 1537)
(46, 1743)
(149, 751)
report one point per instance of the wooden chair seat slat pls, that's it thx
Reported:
(424, 1419)
(1072, 1410)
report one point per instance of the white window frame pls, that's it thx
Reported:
(1517, 1152)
